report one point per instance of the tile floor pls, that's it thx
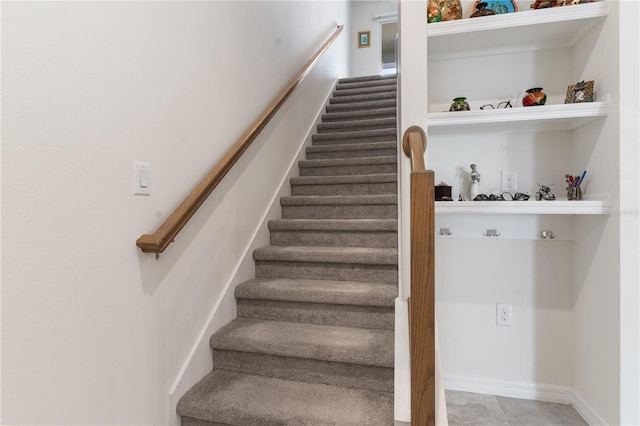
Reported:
(464, 408)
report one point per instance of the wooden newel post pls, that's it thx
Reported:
(422, 300)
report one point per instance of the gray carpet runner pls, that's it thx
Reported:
(313, 343)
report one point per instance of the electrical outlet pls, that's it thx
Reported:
(509, 181)
(503, 314)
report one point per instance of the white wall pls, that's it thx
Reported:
(598, 251)
(629, 215)
(94, 331)
(368, 60)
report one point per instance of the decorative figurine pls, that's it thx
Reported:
(460, 104)
(475, 181)
(543, 4)
(544, 194)
(481, 10)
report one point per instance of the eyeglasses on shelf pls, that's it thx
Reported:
(505, 104)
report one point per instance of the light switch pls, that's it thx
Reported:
(142, 178)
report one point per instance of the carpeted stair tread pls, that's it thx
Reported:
(341, 91)
(299, 340)
(367, 78)
(226, 397)
(358, 115)
(345, 126)
(365, 97)
(319, 291)
(360, 106)
(319, 254)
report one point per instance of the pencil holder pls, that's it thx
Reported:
(574, 193)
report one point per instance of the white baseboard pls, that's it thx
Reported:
(586, 411)
(522, 390)
(525, 390)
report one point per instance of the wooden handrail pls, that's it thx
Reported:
(422, 300)
(164, 235)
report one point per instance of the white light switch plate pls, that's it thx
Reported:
(142, 178)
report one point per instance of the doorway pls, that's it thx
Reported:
(389, 32)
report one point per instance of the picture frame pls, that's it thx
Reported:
(580, 92)
(364, 39)
(499, 6)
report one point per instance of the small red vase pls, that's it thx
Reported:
(534, 97)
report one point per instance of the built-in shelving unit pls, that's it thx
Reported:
(505, 120)
(510, 32)
(506, 34)
(593, 207)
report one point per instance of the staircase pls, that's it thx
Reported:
(313, 343)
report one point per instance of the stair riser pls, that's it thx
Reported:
(360, 106)
(363, 211)
(365, 153)
(307, 370)
(350, 127)
(371, 317)
(364, 90)
(351, 140)
(370, 114)
(367, 78)
(334, 239)
(387, 274)
(363, 98)
(365, 169)
(346, 189)
(357, 85)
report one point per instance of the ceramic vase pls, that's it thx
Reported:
(534, 97)
(444, 10)
(460, 104)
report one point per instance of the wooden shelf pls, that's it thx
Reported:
(531, 207)
(513, 32)
(521, 119)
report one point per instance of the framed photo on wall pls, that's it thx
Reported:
(364, 39)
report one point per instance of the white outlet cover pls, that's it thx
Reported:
(509, 181)
(504, 314)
